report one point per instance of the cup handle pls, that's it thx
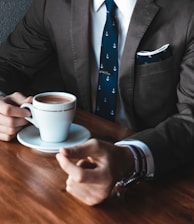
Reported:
(32, 118)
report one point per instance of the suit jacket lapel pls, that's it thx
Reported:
(81, 48)
(144, 13)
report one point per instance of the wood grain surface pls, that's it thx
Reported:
(32, 189)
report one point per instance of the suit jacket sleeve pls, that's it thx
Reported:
(172, 140)
(26, 51)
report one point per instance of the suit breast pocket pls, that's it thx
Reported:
(155, 68)
(155, 91)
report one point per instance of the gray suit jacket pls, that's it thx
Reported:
(158, 97)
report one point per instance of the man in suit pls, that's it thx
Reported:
(155, 85)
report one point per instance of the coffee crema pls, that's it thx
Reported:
(53, 99)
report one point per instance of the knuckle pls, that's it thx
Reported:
(68, 189)
(7, 110)
(94, 200)
(15, 94)
(11, 131)
(5, 137)
(80, 177)
(90, 202)
(95, 142)
(8, 138)
(11, 124)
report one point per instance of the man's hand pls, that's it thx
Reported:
(11, 115)
(99, 165)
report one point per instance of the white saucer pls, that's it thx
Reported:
(30, 137)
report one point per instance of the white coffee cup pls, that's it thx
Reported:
(53, 114)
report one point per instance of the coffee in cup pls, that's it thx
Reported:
(53, 114)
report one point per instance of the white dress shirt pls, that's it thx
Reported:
(123, 16)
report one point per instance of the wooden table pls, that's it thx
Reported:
(32, 189)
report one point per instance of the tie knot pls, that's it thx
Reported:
(110, 5)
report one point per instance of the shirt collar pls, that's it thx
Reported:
(98, 4)
(123, 5)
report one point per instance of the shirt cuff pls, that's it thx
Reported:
(145, 149)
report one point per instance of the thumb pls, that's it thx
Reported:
(69, 167)
(28, 99)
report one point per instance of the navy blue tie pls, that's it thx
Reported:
(108, 72)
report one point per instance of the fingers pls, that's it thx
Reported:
(87, 173)
(89, 148)
(13, 111)
(90, 179)
(90, 194)
(9, 106)
(10, 122)
(28, 100)
(92, 161)
(68, 166)
(17, 98)
(9, 127)
(86, 164)
(12, 116)
(7, 134)
(85, 184)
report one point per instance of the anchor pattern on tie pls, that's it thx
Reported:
(108, 73)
